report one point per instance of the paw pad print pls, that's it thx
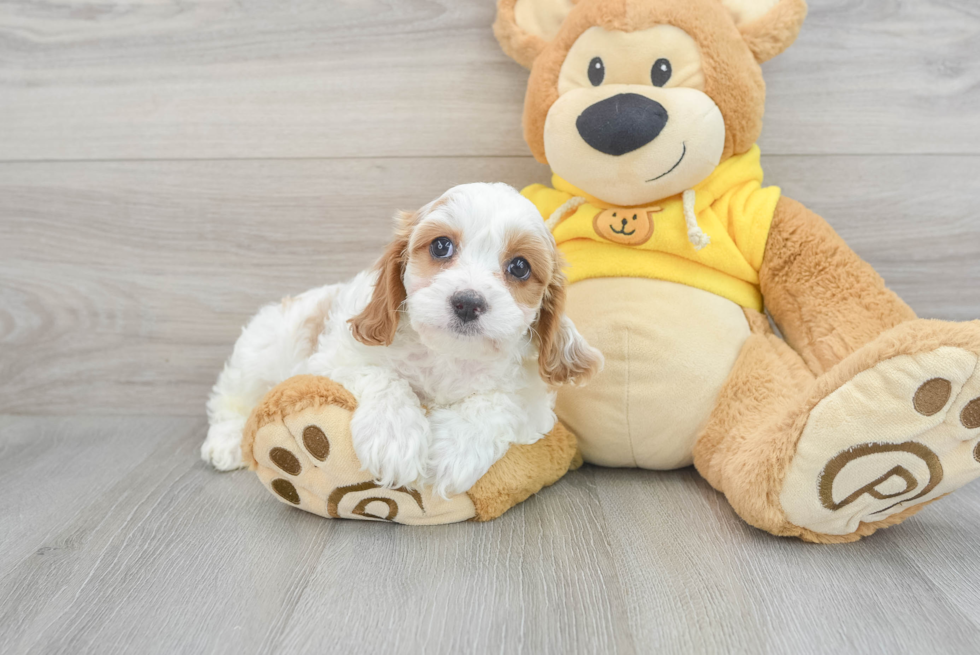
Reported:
(285, 460)
(902, 433)
(286, 490)
(932, 396)
(316, 442)
(970, 416)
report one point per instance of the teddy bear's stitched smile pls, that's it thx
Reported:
(674, 167)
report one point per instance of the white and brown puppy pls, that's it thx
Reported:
(452, 345)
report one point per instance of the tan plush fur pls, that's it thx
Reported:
(825, 299)
(294, 395)
(520, 45)
(751, 437)
(777, 30)
(746, 446)
(523, 472)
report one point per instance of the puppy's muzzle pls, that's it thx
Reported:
(468, 305)
(622, 123)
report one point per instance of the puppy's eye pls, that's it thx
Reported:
(597, 71)
(442, 248)
(519, 268)
(661, 72)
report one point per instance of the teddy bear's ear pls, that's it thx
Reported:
(524, 27)
(768, 26)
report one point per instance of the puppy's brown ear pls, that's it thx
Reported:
(563, 354)
(768, 26)
(525, 27)
(376, 325)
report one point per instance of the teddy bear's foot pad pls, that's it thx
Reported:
(306, 459)
(896, 436)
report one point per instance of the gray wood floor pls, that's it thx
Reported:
(167, 167)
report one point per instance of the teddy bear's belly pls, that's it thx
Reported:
(669, 349)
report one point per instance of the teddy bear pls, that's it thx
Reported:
(852, 419)
(648, 112)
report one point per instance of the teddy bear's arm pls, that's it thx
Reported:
(523, 471)
(825, 299)
(298, 440)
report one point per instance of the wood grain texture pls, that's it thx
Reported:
(517, 585)
(679, 546)
(169, 556)
(158, 554)
(304, 78)
(164, 559)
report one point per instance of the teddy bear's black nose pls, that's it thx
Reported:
(622, 123)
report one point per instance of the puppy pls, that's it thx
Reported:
(452, 345)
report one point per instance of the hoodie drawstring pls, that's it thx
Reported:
(695, 234)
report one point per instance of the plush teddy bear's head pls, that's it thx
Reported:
(634, 101)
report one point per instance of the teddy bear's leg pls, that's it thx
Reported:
(298, 441)
(888, 421)
(767, 381)
(826, 300)
(893, 427)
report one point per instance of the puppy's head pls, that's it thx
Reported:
(477, 273)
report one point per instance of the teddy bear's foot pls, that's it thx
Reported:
(894, 437)
(298, 441)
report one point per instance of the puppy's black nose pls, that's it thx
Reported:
(468, 305)
(622, 123)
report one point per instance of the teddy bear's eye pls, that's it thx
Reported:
(661, 72)
(597, 71)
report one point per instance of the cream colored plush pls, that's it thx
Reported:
(543, 18)
(686, 340)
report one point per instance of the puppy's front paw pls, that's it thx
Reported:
(458, 457)
(223, 447)
(391, 445)
(454, 475)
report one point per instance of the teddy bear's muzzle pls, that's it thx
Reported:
(622, 123)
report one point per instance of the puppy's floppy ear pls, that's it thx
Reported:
(524, 27)
(376, 325)
(768, 26)
(563, 354)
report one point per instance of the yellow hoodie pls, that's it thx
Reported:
(730, 206)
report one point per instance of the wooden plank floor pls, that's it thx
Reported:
(165, 168)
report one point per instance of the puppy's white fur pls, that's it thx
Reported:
(439, 400)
